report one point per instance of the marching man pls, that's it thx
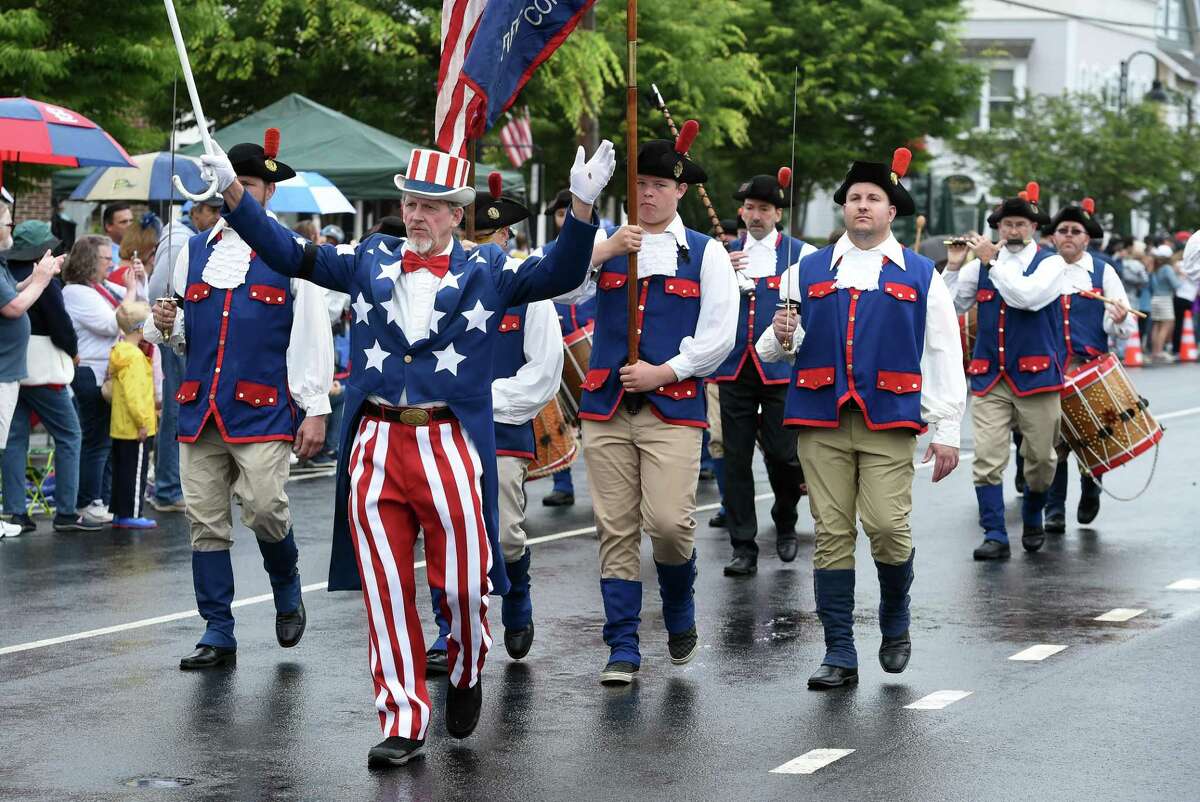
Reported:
(418, 439)
(255, 345)
(876, 359)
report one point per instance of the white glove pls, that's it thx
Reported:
(217, 164)
(588, 179)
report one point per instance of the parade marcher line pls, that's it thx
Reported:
(179, 616)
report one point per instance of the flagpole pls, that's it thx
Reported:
(631, 202)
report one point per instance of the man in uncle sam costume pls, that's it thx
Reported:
(258, 351)
(418, 441)
(876, 360)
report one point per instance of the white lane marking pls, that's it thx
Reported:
(1039, 652)
(1179, 413)
(1185, 584)
(1120, 614)
(811, 761)
(937, 700)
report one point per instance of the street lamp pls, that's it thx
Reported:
(1157, 93)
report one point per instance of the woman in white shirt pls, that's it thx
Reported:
(92, 303)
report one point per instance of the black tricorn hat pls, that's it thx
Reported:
(1084, 214)
(498, 210)
(888, 180)
(730, 225)
(561, 201)
(663, 158)
(248, 158)
(1024, 205)
(767, 188)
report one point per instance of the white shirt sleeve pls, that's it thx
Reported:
(1115, 289)
(768, 346)
(310, 351)
(1191, 257)
(716, 328)
(1033, 292)
(179, 282)
(943, 382)
(963, 284)
(518, 399)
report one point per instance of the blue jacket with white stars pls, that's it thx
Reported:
(454, 364)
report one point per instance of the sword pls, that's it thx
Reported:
(198, 112)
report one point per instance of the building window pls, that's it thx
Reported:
(1172, 21)
(998, 95)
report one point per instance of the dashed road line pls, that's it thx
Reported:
(1185, 584)
(938, 700)
(1120, 614)
(1039, 652)
(811, 761)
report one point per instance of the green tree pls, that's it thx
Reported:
(1075, 146)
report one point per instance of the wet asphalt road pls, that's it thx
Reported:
(1112, 716)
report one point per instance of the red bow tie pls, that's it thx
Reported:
(438, 265)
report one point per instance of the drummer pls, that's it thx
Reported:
(1088, 326)
(525, 374)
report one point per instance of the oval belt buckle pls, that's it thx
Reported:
(414, 417)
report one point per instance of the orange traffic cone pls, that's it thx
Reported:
(1187, 342)
(1133, 352)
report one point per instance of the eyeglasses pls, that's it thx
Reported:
(1070, 232)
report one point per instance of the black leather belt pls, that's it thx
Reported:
(409, 416)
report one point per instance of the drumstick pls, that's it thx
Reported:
(1097, 296)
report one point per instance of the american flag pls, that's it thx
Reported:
(460, 20)
(517, 138)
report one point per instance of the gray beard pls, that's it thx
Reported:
(420, 245)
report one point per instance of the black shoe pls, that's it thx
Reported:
(787, 546)
(289, 627)
(894, 653)
(618, 672)
(1089, 508)
(27, 524)
(993, 550)
(437, 661)
(462, 709)
(394, 751)
(1032, 538)
(742, 564)
(707, 475)
(70, 523)
(208, 657)
(518, 641)
(718, 521)
(559, 499)
(683, 646)
(828, 676)
(1056, 523)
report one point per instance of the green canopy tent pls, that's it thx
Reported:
(359, 159)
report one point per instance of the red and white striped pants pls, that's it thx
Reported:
(404, 480)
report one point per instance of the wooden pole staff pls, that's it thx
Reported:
(1113, 301)
(631, 141)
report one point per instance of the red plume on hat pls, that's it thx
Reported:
(1089, 205)
(495, 184)
(687, 135)
(1023, 195)
(271, 143)
(1032, 191)
(901, 158)
(784, 177)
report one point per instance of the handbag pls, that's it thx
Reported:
(48, 364)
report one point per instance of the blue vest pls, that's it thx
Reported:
(671, 307)
(236, 364)
(1022, 347)
(1083, 321)
(573, 317)
(755, 316)
(859, 345)
(512, 440)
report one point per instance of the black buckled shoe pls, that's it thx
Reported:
(437, 661)
(787, 546)
(289, 627)
(718, 521)
(517, 642)
(1056, 523)
(683, 645)
(394, 751)
(1089, 508)
(1032, 538)
(618, 672)
(208, 657)
(992, 550)
(828, 676)
(894, 653)
(559, 499)
(462, 709)
(743, 564)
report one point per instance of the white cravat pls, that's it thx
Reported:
(760, 254)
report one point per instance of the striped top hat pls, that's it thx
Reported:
(437, 175)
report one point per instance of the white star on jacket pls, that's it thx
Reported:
(477, 317)
(361, 307)
(450, 280)
(392, 272)
(448, 359)
(393, 312)
(375, 357)
(435, 317)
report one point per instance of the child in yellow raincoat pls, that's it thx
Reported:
(134, 418)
